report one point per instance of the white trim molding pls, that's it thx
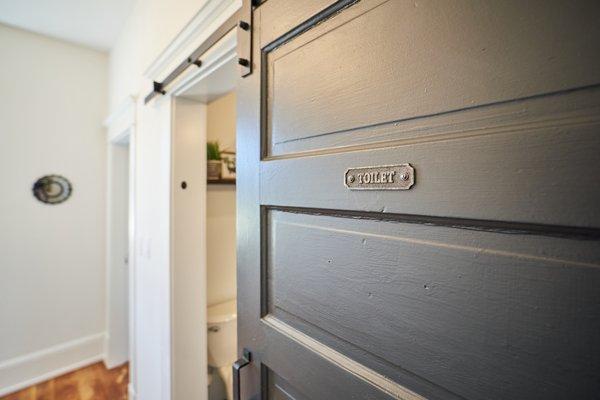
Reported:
(131, 392)
(121, 131)
(212, 14)
(33, 368)
(121, 121)
(216, 57)
(156, 135)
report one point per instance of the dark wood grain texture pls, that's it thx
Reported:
(490, 307)
(527, 174)
(478, 282)
(428, 59)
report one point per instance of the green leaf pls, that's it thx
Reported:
(212, 151)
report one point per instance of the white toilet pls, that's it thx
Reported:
(222, 340)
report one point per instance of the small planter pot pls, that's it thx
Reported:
(213, 170)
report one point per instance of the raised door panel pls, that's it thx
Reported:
(495, 104)
(479, 281)
(475, 312)
(375, 64)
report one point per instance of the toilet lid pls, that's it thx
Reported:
(222, 312)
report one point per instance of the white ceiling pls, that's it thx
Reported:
(92, 23)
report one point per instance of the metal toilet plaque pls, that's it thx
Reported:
(52, 189)
(382, 177)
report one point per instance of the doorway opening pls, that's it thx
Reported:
(204, 290)
(118, 251)
(221, 244)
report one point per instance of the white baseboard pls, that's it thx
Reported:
(33, 368)
(131, 392)
(112, 358)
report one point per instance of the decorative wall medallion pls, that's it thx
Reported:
(52, 189)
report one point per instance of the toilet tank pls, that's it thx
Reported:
(222, 333)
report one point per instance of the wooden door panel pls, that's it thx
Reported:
(479, 281)
(460, 311)
(566, 110)
(382, 62)
(314, 371)
(529, 174)
(279, 389)
(288, 16)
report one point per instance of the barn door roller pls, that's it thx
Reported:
(160, 88)
(244, 38)
(243, 21)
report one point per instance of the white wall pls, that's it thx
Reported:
(151, 27)
(52, 257)
(188, 279)
(221, 209)
(153, 256)
(157, 36)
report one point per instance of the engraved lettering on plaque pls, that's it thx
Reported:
(382, 177)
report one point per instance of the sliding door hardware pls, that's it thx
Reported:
(244, 38)
(160, 88)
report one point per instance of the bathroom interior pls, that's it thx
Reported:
(221, 248)
(204, 310)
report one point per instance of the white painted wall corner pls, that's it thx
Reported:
(131, 392)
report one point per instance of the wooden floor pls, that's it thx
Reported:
(90, 383)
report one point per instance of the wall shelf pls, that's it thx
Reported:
(226, 181)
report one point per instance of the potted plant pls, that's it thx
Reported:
(213, 157)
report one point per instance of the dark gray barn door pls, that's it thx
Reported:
(482, 280)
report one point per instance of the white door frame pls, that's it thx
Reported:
(183, 246)
(121, 129)
(208, 19)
